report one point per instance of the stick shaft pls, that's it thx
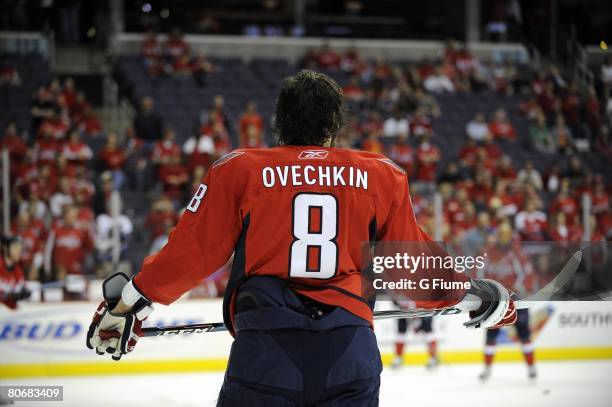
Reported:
(551, 288)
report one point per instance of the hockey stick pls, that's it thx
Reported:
(545, 293)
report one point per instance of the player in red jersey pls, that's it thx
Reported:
(12, 279)
(510, 265)
(295, 218)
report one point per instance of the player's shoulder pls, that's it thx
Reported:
(233, 162)
(374, 161)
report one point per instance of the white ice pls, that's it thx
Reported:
(559, 384)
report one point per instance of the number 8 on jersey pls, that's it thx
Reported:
(314, 252)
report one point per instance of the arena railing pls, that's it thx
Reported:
(293, 49)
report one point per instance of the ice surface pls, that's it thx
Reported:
(559, 384)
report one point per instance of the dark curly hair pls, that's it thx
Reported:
(309, 109)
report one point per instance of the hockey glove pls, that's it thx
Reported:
(115, 333)
(490, 305)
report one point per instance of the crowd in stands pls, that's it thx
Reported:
(173, 57)
(392, 108)
(65, 168)
(61, 188)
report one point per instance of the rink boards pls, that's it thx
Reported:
(49, 339)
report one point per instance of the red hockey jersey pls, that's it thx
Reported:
(11, 281)
(298, 213)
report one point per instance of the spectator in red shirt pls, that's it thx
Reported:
(566, 204)
(83, 185)
(549, 102)
(250, 117)
(89, 123)
(327, 58)
(381, 71)
(112, 158)
(600, 200)
(165, 149)
(372, 144)
(69, 93)
(562, 232)
(182, 66)
(254, 138)
(467, 153)
(353, 90)
(505, 170)
(32, 256)
(531, 223)
(85, 218)
(176, 46)
(484, 162)
(79, 107)
(150, 48)
(500, 127)
(75, 151)
(56, 125)
(402, 153)
(16, 146)
(71, 245)
(12, 279)
(174, 177)
(162, 214)
(221, 139)
(502, 202)
(427, 158)
(481, 189)
(420, 125)
(200, 151)
(46, 181)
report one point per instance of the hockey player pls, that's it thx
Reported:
(295, 218)
(424, 325)
(508, 263)
(12, 280)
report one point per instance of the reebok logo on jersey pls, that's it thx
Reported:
(313, 155)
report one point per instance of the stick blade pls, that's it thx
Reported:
(556, 284)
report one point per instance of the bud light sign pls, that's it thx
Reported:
(38, 330)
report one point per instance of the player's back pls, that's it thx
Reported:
(308, 211)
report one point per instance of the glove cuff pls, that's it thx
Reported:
(130, 294)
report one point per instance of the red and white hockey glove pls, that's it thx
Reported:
(490, 305)
(115, 333)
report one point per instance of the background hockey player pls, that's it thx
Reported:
(508, 264)
(12, 280)
(295, 218)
